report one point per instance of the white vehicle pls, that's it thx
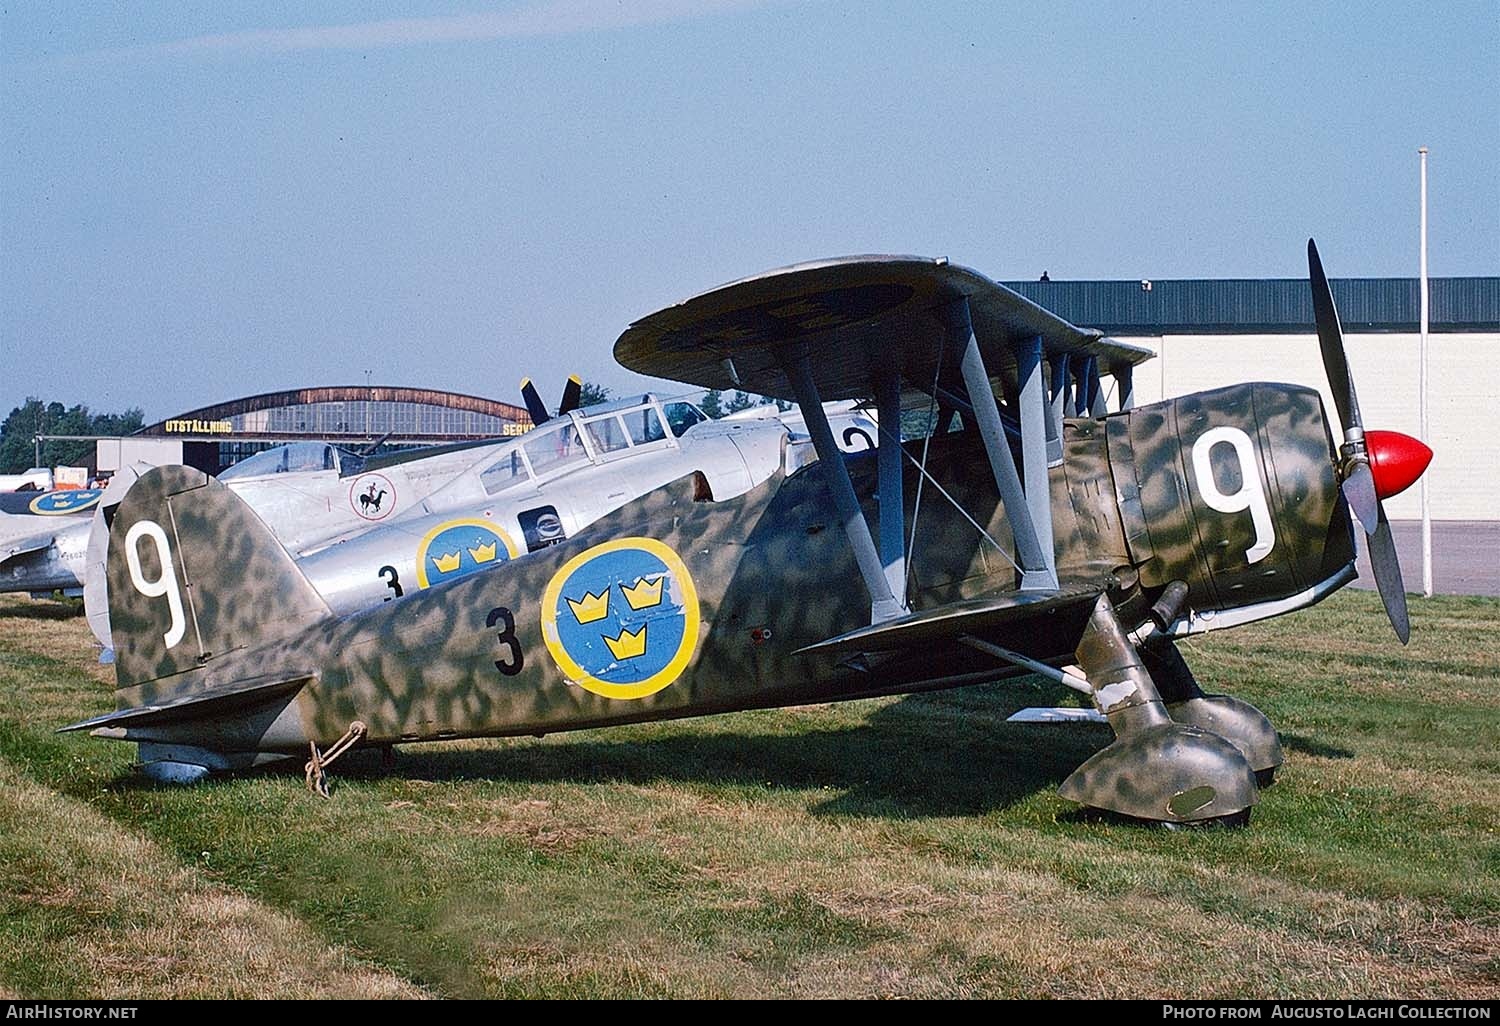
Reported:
(37, 479)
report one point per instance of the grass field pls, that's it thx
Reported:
(894, 847)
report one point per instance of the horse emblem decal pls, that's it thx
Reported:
(372, 496)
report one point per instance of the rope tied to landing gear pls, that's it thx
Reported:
(317, 779)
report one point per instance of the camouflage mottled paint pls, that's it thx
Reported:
(1171, 772)
(235, 585)
(773, 573)
(1234, 719)
(1173, 532)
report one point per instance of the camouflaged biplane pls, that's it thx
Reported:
(1026, 530)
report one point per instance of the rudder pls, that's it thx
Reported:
(193, 575)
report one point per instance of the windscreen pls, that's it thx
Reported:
(283, 459)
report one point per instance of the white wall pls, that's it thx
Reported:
(1463, 394)
(113, 453)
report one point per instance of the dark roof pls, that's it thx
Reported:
(1264, 305)
(344, 394)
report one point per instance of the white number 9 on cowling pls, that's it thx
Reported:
(1250, 495)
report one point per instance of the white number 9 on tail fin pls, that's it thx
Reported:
(166, 584)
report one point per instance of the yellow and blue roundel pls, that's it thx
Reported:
(621, 619)
(457, 548)
(73, 500)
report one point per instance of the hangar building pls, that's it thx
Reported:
(215, 437)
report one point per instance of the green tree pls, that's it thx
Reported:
(591, 394)
(740, 401)
(35, 417)
(715, 405)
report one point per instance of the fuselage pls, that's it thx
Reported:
(677, 604)
(535, 493)
(375, 533)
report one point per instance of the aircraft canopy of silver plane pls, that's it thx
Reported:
(1024, 528)
(295, 457)
(538, 490)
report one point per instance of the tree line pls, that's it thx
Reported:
(715, 405)
(36, 417)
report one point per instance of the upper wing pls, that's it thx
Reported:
(851, 313)
(869, 327)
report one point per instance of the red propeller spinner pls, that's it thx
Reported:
(1396, 461)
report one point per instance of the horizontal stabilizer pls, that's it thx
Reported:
(20, 546)
(1062, 714)
(200, 704)
(951, 621)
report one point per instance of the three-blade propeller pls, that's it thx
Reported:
(1357, 480)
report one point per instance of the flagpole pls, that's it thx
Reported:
(1422, 400)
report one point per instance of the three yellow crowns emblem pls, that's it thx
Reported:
(593, 607)
(645, 593)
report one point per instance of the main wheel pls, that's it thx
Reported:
(1233, 821)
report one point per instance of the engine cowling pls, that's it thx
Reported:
(1232, 491)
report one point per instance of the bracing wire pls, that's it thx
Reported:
(924, 475)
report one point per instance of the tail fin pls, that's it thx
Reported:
(194, 574)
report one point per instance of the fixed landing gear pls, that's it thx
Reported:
(1235, 719)
(1159, 768)
(1233, 821)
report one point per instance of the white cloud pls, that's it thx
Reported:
(550, 18)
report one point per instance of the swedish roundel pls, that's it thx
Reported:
(76, 500)
(456, 548)
(621, 619)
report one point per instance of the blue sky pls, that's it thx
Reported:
(200, 201)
